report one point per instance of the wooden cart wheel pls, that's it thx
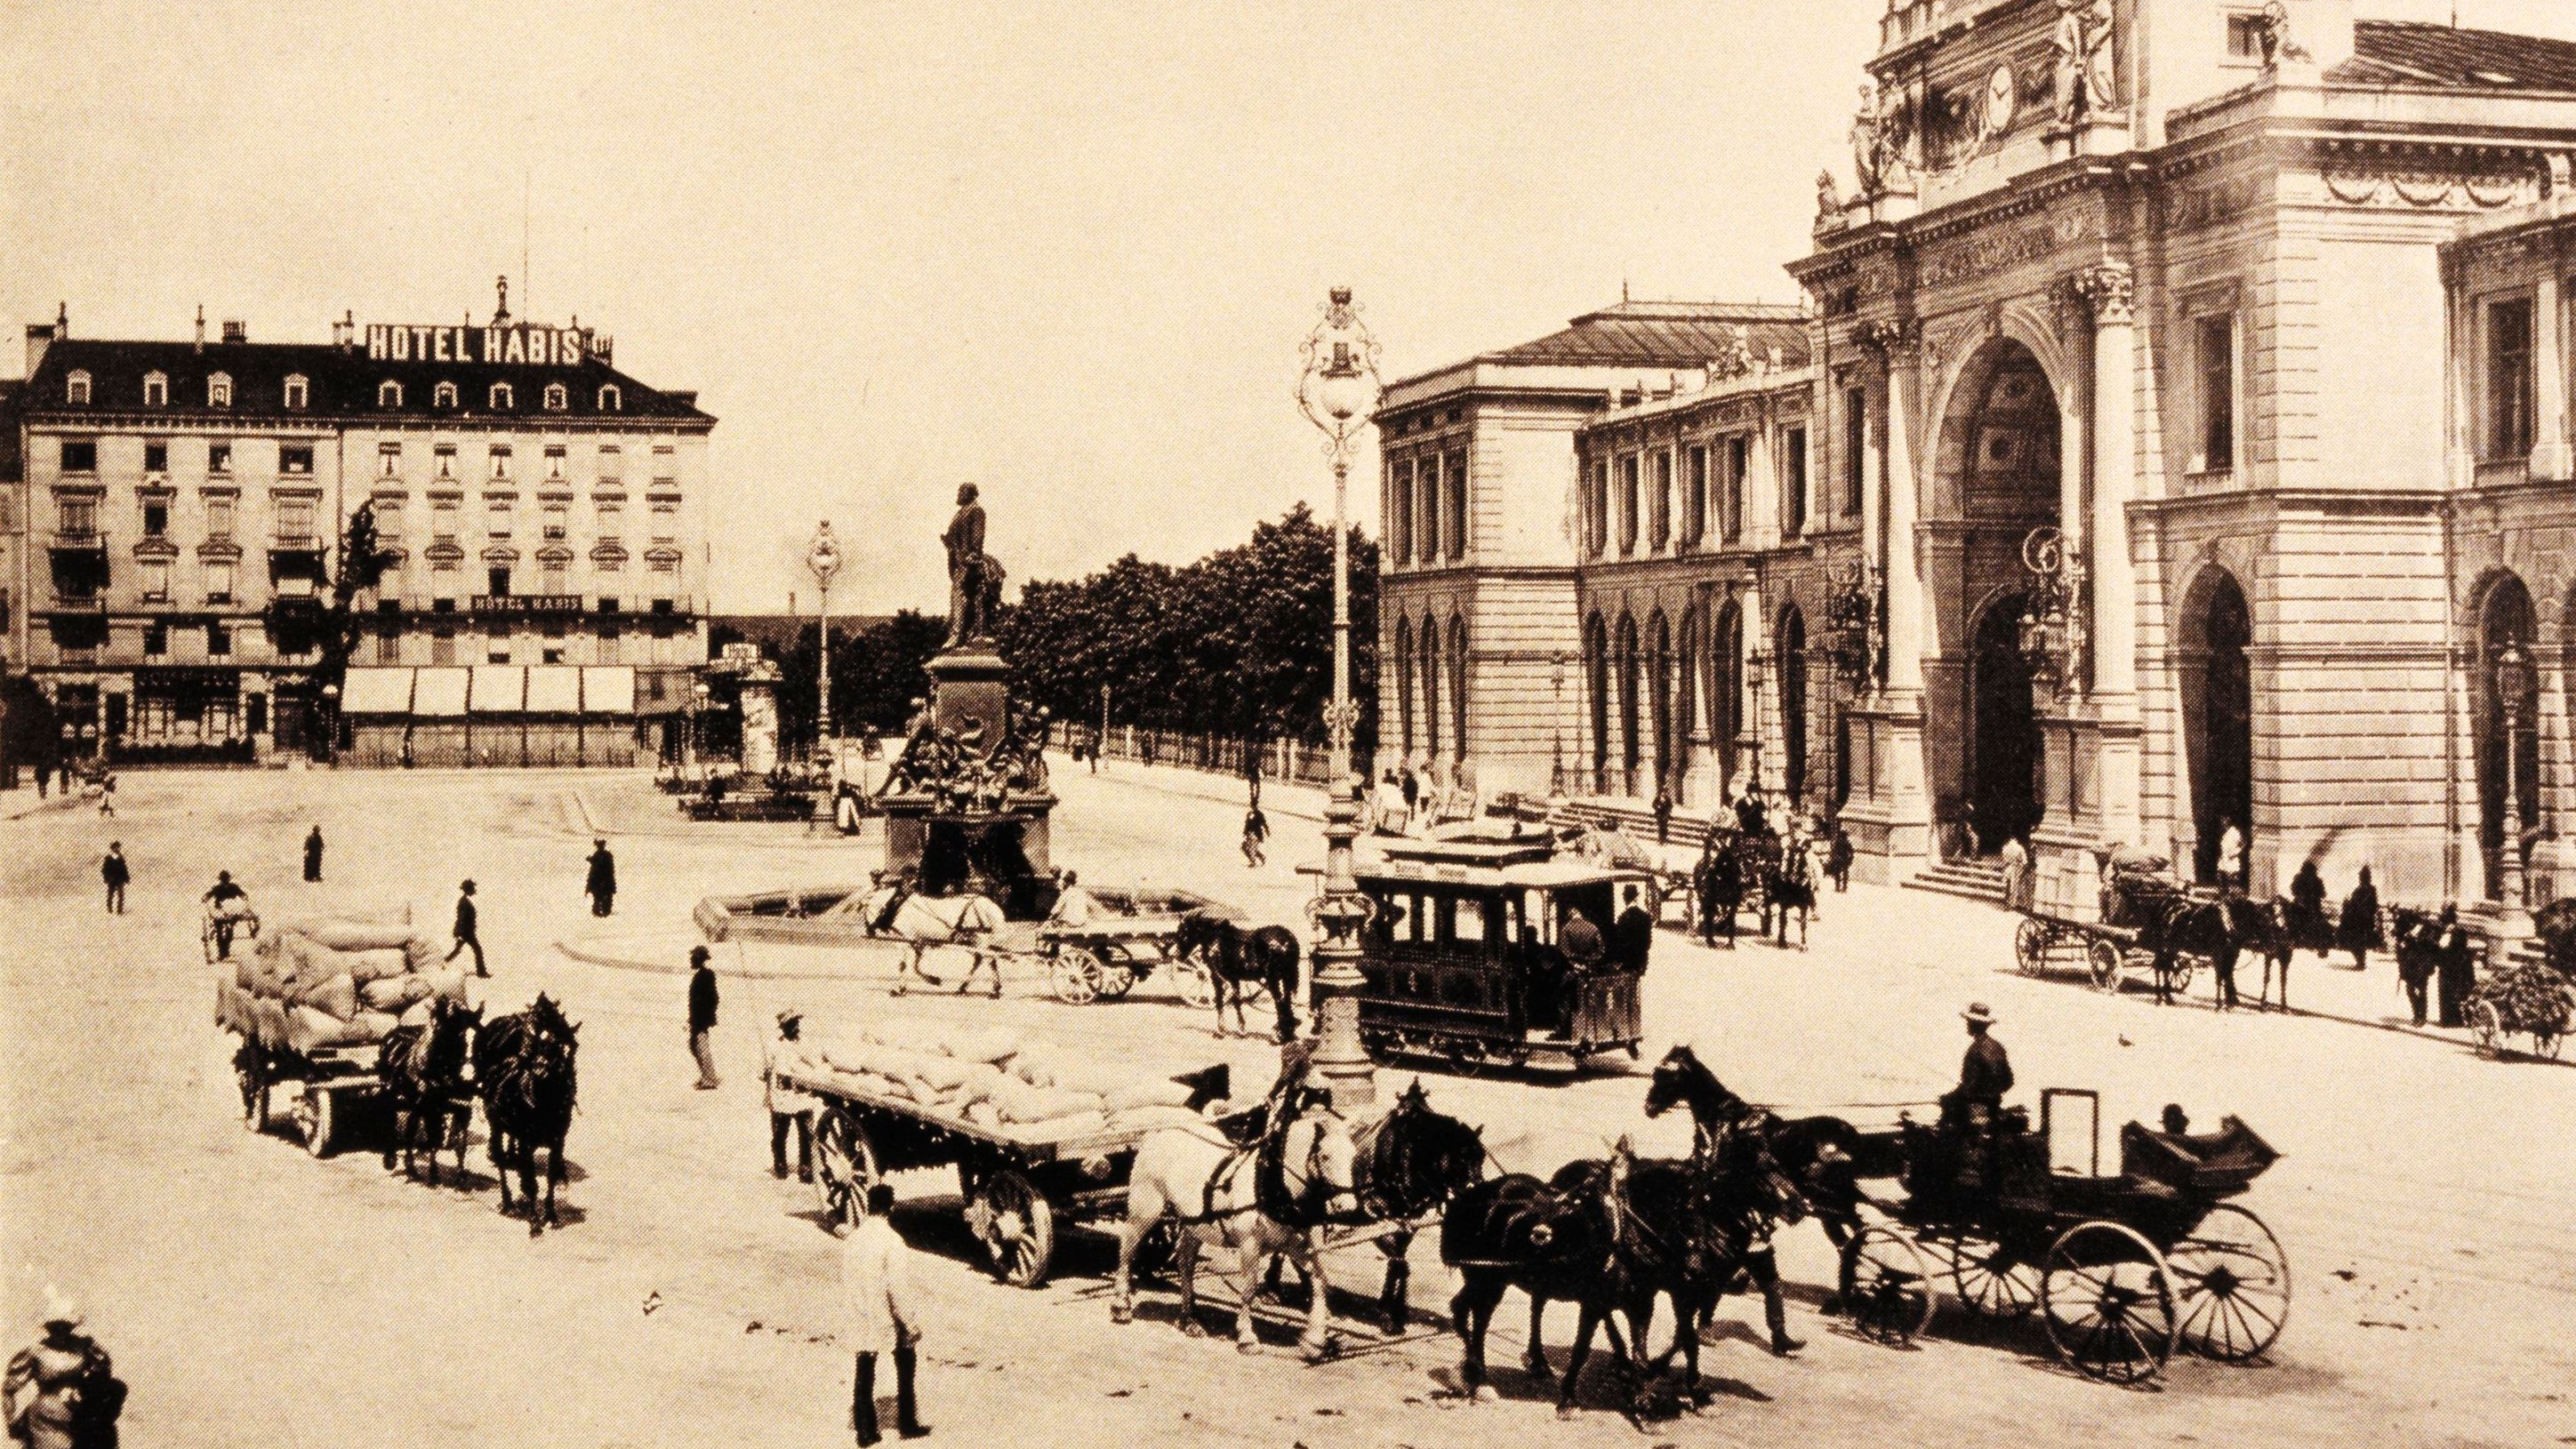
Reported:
(2108, 1303)
(2184, 964)
(1017, 1227)
(2103, 960)
(1197, 987)
(1076, 975)
(2030, 945)
(317, 1115)
(845, 1166)
(1886, 1287)
(252, 1078)
(2235, 1286)
(1118, 970)
(1990, 1282)
(2487, 1026)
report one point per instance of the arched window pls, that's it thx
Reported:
(1457, 687)
(1398, 511)
(610, 399)
(1454, 526)
(76, 390)
(1726, 689)
(1431, 686)
(557, 398)
(1596, 683)
(443, 395)
(1623, 664)
(1687, 685)
(1792, 654)
(299, 392)
(1659, 696)
(156, 389)
(389, 394)
(1404, 683)
(502, 398)
(219, 390)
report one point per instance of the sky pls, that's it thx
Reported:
(1065, 251)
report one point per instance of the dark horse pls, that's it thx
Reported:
(1409, 1164)
(1718, 882)
(1238, 959)
(2222, 929)
(423, 1071)
(523, 1063)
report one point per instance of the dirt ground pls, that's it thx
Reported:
(255, 1296)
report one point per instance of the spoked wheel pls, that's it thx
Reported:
(2108, 1303)
(1118, 974)
(317, 1118)
(2102, 960)
(2235, 1286)
(2030, 946)
(1886, 1287)
(2487, 1025)
(845, 1166)
(1016, 1225)
(1076, 975)
(2183, 967)
(1197, 987)
(1990, 1282)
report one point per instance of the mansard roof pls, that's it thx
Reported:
(1665, 335)
(343, 383)
(2407, 53)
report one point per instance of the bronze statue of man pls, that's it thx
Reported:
(970, 614)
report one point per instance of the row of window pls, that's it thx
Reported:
(295, 460)
(1634, 495)
(77, 516)
(1426, 508)
(80, 456)
(299, 393)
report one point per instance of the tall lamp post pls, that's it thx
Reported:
(1337, 389)
(2515, 688)
(1556, 726)
(823, 560)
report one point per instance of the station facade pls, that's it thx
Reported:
(2177, 438)
(181, 507)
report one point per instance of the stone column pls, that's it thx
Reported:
(2549, 856)
(2551, 455)
(1909, 812)
(2110, 290)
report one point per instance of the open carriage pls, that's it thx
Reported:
(2123, 1268)
(1462, 957)
(2108, 936)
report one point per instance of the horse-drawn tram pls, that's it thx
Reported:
(1500, 951)
(2122, 1268)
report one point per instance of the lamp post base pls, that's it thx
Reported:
(1341, 1060)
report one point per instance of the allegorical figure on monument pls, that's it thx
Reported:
(974, 579)
(2086, 84)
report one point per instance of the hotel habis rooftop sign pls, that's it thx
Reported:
(527, 344)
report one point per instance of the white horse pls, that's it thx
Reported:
(1206, 1185)
(924, 921)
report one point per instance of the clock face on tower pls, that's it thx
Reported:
(2003, 93)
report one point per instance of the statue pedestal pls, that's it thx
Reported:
(969, 692)
(999, 852)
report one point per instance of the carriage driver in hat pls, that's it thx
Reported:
(1985, 1074)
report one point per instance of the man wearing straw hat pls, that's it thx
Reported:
(76, 1395)
(1985, 1074)
(788, 1108)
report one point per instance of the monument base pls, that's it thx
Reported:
(998, 852)
(970, 692)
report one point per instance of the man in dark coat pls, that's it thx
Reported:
(702, 1018)
(602, 885)
(2456, 958)
(313, 854)
(468, 929)
(1634, 930)
(1663, 817)
(1985, 1074)
(2357, 930)
(2307, 923)
(115, 872)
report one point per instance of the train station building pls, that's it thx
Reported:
(180, 508)
(2174, 436)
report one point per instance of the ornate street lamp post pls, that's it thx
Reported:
(1556, 726)
(1337, 389)
(823, 560)
(2514, 687)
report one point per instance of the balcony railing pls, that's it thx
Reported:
(84, 540)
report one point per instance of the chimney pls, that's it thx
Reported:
(39, 336)
(344, 333)
(236, 330)
(201, 326)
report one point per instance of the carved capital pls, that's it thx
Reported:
(2110, 289)
(1899, 341)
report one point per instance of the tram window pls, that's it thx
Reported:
(1402, 915)
(1538, 923)
(1470, 925)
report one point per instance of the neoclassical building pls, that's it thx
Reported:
(2180, 428)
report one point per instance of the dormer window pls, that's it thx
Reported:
(501, 396)
(156, 389)
(443, 395)
(76, 390)
(610, 399)
(219, 390)
(299, 393)
(557, 397)
(389, 394)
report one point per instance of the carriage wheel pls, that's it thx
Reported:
(2108, 1303)
(317, 1117)
(252, 1078)
(2183, 967)
(1118, 973)
(1017, 1226)
(1197, 987)
(1886, 1287)
(2235, 1285)
(2030, 945)
(2487, 1026)
(2102, 959)
(845, 1166)
(1990, 1282)
(1076, 975)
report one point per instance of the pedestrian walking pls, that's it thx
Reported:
(601, 887)
(2357, 930)
(62, 1392)
(702, 1018)
(2307, 925)
(115, 872)
(468, 928)
(107, 794)
(2016, 863)
(313, 855)
(2456, 965)
(884, 1319)
(1663, 817)
(1838, 858)
(1256, 829)
(789, 1109)
(2419, 952)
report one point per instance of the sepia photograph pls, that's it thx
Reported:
(1178, 723)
